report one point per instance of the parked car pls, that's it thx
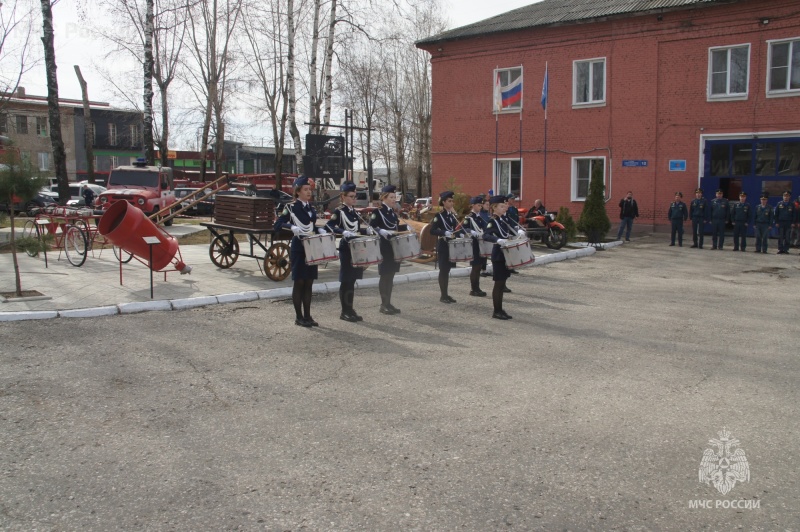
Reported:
(76, 193)
(29, 207)
(423, 203)
(204, 208)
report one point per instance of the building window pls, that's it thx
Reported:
(784, 67)
(135, 141)
(3, 123)
(44, 160)
(113, 161)
(582, 168)
(507, 93)
(728, 72)
(508, 176)
(589, 82)
(41, 126)
(22, 125)
(112, 134)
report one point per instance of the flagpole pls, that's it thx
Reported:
(545, 96)
(498, 105)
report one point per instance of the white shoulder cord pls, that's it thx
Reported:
(386, 222)
(308, 228)
(348, 225)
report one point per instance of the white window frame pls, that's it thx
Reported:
(43, 158)
(591, 62)
(727, 95)
(41, 126)
(113, 162)
(781, 93)
(134, 131)
(496, 178)
(574, 176)
(515, 107)
(112, 134)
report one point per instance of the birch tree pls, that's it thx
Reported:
(16, 54)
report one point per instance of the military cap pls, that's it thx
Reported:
(679, 194)
(348, 186)
(388, 189)
(700, 190)
(447, 194)
(497, 199)
(742, 194)
(300, 181)
(476, 200)
(764, 196)
(719, 191)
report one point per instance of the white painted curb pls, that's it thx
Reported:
(239, 297)
(275, 293)
(143, 306)
(193, 302)
(28, 315)
(92, 312)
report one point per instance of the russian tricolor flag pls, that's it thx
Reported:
(512, 93)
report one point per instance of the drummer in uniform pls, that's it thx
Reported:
(445, 226)
(476, 225)
(384, 220)
(514, 224)
(346, 222)
(499, 232)
(300, 218)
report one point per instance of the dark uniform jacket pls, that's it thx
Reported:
(741, 213)
(699, 210)
(345, 219)
(765, 215)
(497, 229)
(719, 209)
(628, 208)
(785, 212)
(678, 211)
(443, 222)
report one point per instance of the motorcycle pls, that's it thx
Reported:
(544, 228)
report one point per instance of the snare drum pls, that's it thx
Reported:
(517, 253)
(460, 249)
(319, 248)
(405, 246)
(485, 247)
(365, 250)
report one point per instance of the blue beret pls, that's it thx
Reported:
(348, 186)
(446, 194)
(719, 191)
(765, 196)
(300, 181)
(476, 200)
(388, 189)
(497, 199)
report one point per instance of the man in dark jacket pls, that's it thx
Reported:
(628, 210)
(88, 196)
(740, 218)
(700, 213)
(678, 213)
(765, 219)
(720, 211)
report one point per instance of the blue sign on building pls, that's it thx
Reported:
(677, 165)
(633, 162)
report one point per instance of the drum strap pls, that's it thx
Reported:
(391, 226)
(306, 228)
(346, 223)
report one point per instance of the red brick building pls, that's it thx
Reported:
(664, 95)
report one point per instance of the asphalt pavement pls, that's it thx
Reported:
(593, 409)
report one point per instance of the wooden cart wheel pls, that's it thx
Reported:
(224, 251)
(276, 262)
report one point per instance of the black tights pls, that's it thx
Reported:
(346, 295)
(385, 286)
(475, 277)
(301, 296)
(497, 295)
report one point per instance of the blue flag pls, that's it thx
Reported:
(544, 89)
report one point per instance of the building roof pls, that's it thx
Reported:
(559, 12)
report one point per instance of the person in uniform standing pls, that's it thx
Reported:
(346, 222)
(628, 210)
(510, 222)
(699, 213)
(384, 220)
(476, 225)
(301, 218)
(513, 211)
(764, 219)
(785, 216)
(741, 216)
(499, 232)
(719, 216)
(678, 214)
(445, 226)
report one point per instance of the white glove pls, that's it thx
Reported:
(348, 234)
(370, 230)
(322, 231)
(384, 233)
(474, 233)
(501, 241)
(296, 230)
(448, 234)
(521, 233)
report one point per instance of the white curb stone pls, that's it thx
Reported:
(275, 293)
(239, 297)
(92, 312)
(193, 302)
(144, 306)
(364, 283)
(28, 315)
